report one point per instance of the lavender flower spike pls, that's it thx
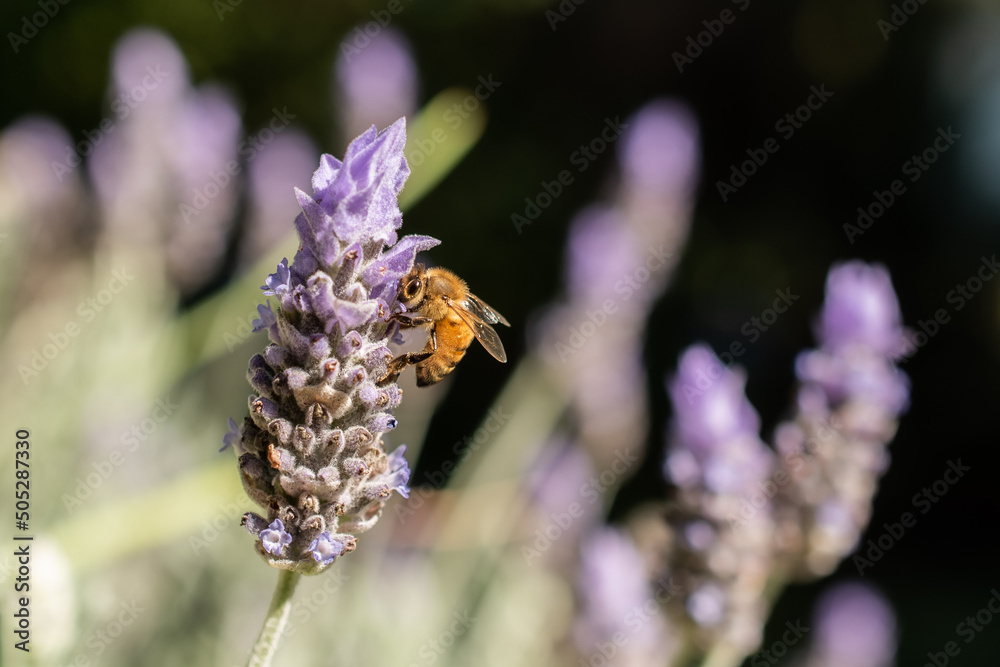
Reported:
(313, 452)
(720, 554)
(849, 399)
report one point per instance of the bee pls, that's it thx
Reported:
(441, 300)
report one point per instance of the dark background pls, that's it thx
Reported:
(783, 228)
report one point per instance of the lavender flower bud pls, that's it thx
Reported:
(855, 627)
(313, 451)
(850, 396)
(720, 551)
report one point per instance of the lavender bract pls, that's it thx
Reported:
(849, 399)
(720, 553)
(311, 451)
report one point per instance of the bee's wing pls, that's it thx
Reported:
(475, 305)
(484, 332)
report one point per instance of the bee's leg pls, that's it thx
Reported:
(397, 365)
(408, 322)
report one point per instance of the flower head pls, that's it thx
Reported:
(274, 538)
(861, 309)
(314, 452)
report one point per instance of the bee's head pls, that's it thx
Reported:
(412, 288)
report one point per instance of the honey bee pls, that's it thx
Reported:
(438, 298)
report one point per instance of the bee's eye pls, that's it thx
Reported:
(412, 288)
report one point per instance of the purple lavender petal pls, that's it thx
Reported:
(855, 626)
(861, 308)
(709, 403)
(659, 150)
(274, 538)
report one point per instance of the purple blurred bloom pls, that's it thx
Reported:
(855, 627)
(601, 249)
(376, 84)
(709, 401)
(611, 582)
(274, 538)
(861, 309)
(660, 149)
(324, 549)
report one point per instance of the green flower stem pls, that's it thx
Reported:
(274, 623)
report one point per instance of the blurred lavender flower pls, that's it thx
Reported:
(850, 396)
(42, 201)
(314, 452)
(855, 627)
(721, 552)
(614, 596)
(376, 84)
(619, 260)
(287, 163)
